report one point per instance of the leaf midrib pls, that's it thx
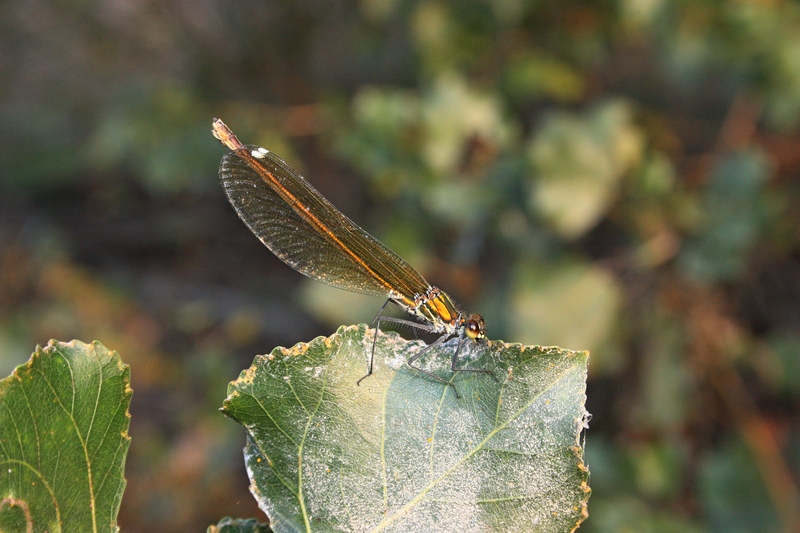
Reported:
(388, 520)
(84, 443)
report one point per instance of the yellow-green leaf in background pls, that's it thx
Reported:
(579, 162)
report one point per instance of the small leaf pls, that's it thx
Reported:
(580, 161)
(734, 216)
(567, 303)
(239, 525)
(63, 439)
(401, 452)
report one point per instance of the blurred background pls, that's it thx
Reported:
(621, 176)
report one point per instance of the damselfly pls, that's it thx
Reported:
(310, 235)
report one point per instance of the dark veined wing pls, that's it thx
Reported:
(306, 231)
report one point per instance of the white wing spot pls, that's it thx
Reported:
(263, 150)
(258, 154)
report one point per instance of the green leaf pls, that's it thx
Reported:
(567, 303)
(734, 215)
(733, 493)
(580, 161)
(239, 525)
(401, 452)
(63, 439)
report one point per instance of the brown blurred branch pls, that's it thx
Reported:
(759, 436)
(715, 335)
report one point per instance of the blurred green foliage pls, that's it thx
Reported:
(632, 163)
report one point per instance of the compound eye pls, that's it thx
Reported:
(474, 328)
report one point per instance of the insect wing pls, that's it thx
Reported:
(306, 231)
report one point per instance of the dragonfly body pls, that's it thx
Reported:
(308, 233)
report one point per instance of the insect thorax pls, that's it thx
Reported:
(436, 309)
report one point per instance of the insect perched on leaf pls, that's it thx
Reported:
(310, 235)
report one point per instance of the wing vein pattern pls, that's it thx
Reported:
(307, 232)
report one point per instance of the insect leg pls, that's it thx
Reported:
(375, 320)
(455, 360)
(422, 352)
